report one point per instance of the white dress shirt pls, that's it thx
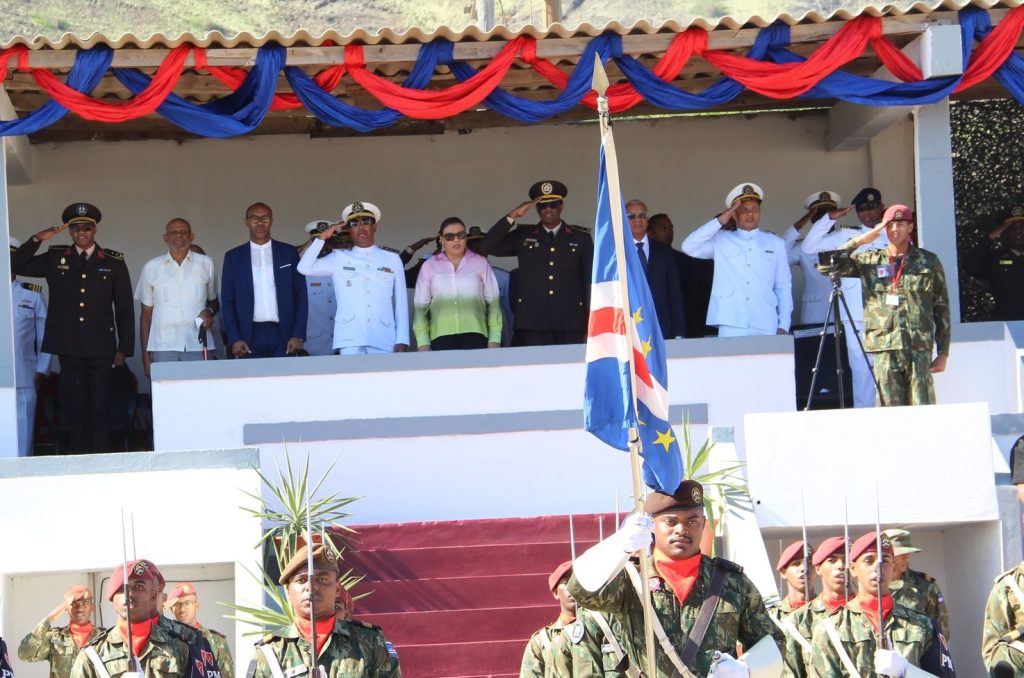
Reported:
(752, 287)
(177, 294)
(29, 320)
(264, 289)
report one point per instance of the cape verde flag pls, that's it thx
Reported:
(615, 330)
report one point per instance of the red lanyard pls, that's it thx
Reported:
(899, 272)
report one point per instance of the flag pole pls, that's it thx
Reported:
(600, 85)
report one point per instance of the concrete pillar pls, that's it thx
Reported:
(933, 178)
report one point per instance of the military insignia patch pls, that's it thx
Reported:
(357, 207)
(81, 209)
(696, 496)
(886, 544)
(654, 583)
(1018, 211)
(898, 216)
(747, 188)
(576, 632)
(330, 556)
(824, 196)
(870, 197)
(140, 568)
(392, 652)
(186, 589)
(546, 188)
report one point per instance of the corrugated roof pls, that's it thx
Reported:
(473, 33)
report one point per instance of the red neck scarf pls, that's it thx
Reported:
(565, 620)
(680, 574)
(323, 631)
(80, 633)
(869, 606)
(795, 604)
(140, 633)
(833, 605)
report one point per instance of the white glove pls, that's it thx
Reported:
(889, 663)
(727, 666)
(635, 533)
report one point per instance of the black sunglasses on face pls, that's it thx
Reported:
(461, 235)
(550, 205)
(363, 221)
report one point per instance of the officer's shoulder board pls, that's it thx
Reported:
(582, 229)
(365, 625)
(32, 287)
(388, 249)
(215, 633)
(57, 247)
(727, 565)
(114, 254)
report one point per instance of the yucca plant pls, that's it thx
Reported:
(284, 516)
(724, 488)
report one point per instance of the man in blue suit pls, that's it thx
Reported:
(659, 263)
(263, 295)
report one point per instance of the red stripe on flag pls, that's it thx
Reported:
(606, 319)
(640, 363)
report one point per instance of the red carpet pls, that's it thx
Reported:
(461, 598)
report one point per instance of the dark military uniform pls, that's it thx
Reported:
(166, 654)
(1003, 270)
(221, 651)
(739, 617)
(353, 649)
(55, 645)
(92, 316)
(553, 293)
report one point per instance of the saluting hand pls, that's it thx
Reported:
(728, 215)
(48, 233)
(871, 236)
(330, 231)
(840, 213)
(524, 207)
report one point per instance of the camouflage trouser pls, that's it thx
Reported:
(905, 377)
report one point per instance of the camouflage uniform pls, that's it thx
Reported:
(221, 651)
(166, 655)
(799, 659)
(911, 634)
(354, 648)
(921, 593)
(782, 610)
(903, 337)
(562, 651)
(54, 645)
(739, 617)
(1004, 614)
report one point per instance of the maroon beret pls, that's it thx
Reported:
(688, 495)
(556, 576)
(867, 544)
(829, 547)
(897, 213)
(794, 551)
(137, 569)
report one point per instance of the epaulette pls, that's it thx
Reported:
(727, 565)
(58, 247)
(929, 578)
(583, 229)
(267, 638)
(101, 636)
(846, 226)
(365, 625)
(114, 254)
(388, 249)
(215, 632)
(32, 287)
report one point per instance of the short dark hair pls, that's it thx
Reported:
(448, 222)
(660, 216)
(258, 204)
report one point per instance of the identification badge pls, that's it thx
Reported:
(892, 300)
(576, 631)
(882, 271)
(1006, 262)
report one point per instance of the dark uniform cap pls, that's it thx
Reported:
(137, 569)
(866, 544)
(548, 190)
(323, 559)
(794, 551)
(829, 547)
(474, 233)
(688, 495)
(1015, 215)
(80, 211)
(560, 572)
(867, 198)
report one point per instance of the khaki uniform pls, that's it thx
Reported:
(902, 336)
(911, 634)
(353, 649)
(54, 645)
(166, 655)
(739, 617)
(1004, 614)
(920, 592)
(221, 651)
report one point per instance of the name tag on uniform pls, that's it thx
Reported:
(295, 671)
(892, 300)
(882, 271)
(385, 269)
(315, 284)
(530, 242)
(103, 270)
(348, 268)
(1006, 262)
(769, 251)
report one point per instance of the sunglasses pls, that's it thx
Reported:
(363, 221)
(549, 205)
(636, 215)
(461, 235)
(265, 219)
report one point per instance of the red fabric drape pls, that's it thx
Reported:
(898, 63)
(994, 50)
(164, 80)
(233, 77)
(433, 104)
(19, 51)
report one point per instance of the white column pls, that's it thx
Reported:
(8, 404)
(933, 177)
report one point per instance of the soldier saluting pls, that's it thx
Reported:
(60, 645)
(91, 323)
(702, 606)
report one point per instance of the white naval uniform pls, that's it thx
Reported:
(817, 287)
(820, 239)
(29, 321)
(751, 293)
(369, 286)
(320, 321)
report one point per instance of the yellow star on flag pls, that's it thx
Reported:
(646, 346)
(665, 439)
(637, 318)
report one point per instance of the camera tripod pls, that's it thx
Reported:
(836, 306)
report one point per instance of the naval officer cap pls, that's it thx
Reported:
(821, 199)
(80, 211)
(318, 226)
(689, 494)
(360, 209)
(867, 198)
(1015, 215)
(548, 190)
(748, 190)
